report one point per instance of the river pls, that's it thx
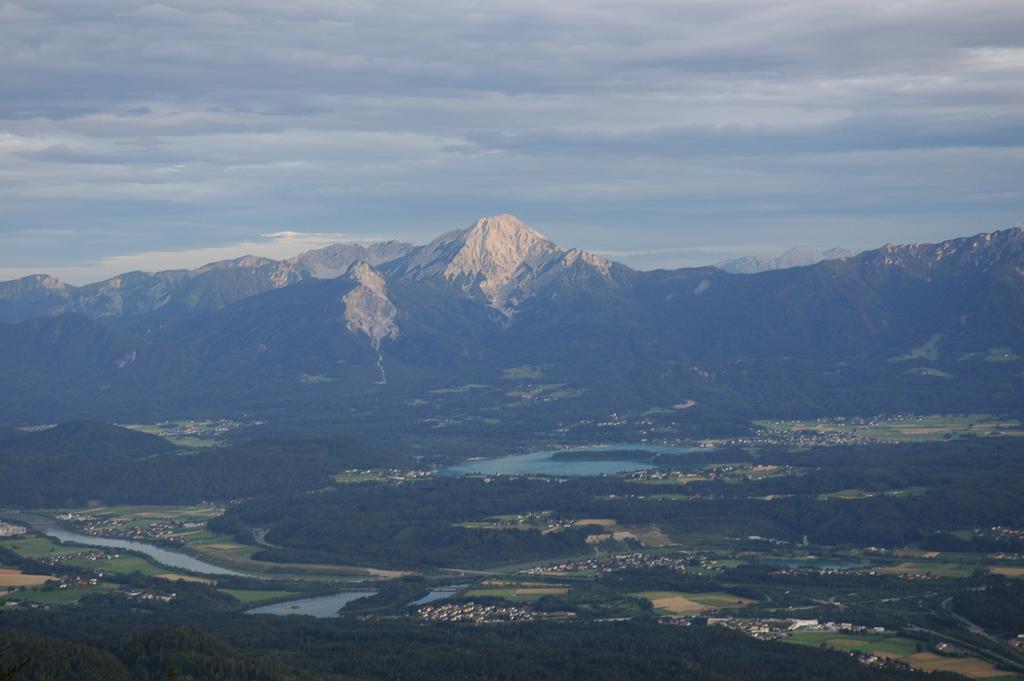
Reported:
(320, 606)
(168, 557)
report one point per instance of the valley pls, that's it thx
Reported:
(492, 440)
(757, 539)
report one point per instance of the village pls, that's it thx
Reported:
(625, 561)
(485, 614)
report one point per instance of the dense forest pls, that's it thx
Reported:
(264, 649)
(79, 462)
(956, 485)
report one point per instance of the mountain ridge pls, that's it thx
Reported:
(899, 328)
(181, 292)
(792, 257)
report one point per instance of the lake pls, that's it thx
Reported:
(814, 563)
(320, 606)
(439, 594)
(168, 557)
(543, 463)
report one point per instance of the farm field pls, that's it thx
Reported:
(902, 649)
(36, 548)
(14, 577)
(256, 596)
(937, 568)
(184, 525)
(524, 592)
(910, 428)
(856, 493)
(678, 603)
(54, 596)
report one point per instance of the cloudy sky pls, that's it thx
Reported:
(144, 135)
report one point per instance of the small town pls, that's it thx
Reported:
(625, 561)
(485, 614)
(8, 530)
(118, 527)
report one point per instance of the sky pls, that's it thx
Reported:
(150, 135)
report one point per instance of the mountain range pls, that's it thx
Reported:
(793, 257)
(496, 323)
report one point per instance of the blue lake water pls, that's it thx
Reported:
(543, 463)
(814, 563)
(320, 606)
(174, 559)
(439, 594)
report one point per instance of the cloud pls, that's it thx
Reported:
(277, 246)
(184, 124)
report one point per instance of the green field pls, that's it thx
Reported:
(1000, 354)
(853, 494)
(524, 592)
(55, 596)
(353, 478)
(937, 568)
(36, 547)
(527, 372)
(887, 644)
(257, 596)
(902, 649)
(679, 603)
(182, 440)
(910, 428)
(929, 350)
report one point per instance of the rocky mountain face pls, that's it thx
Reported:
(918, 327)
(794, 257)
(498, 259)
(174, 293)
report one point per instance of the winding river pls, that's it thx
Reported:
(320, 606)
(168, 557)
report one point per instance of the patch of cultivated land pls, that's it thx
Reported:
(902, 649)
(911, 428)
(1008, 571)
(36, 547)
(679, 603)
(516, 591)
(257, 596)
(54, 596)
(15, 577)
(937, 568)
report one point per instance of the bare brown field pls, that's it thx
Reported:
(13, 577)
(652, 537)
(184, 578)
(603, 522)
(968, 666)
(678, 605)
(1008, 571)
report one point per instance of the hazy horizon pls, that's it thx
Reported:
(691, 131)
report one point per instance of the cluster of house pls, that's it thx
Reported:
(879, 662)
(147, 595)
(167, 528)
(11, 530)
(625, 561)
(202, 428)
(792, 438)
(770, 628)
(68, 581)
(86, 554)
(485, 614)
(390, 474)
